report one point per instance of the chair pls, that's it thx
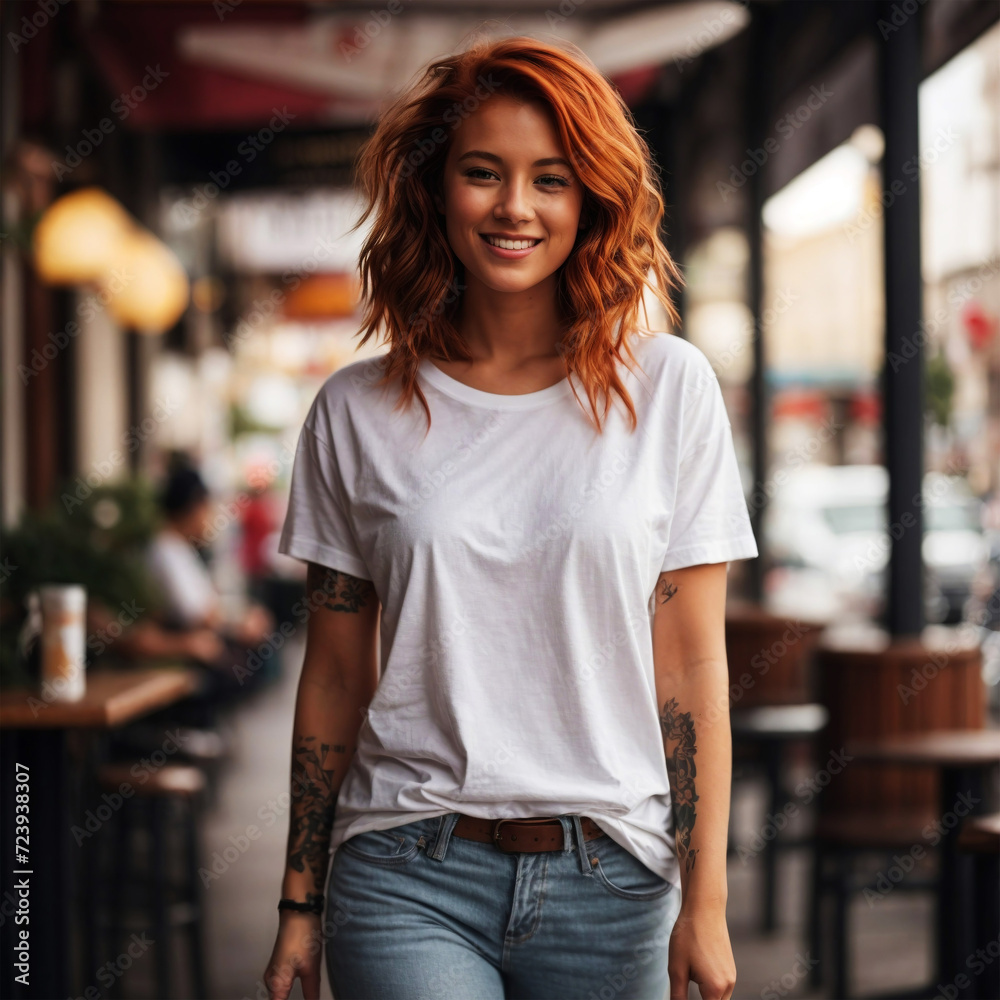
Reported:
(165, 811)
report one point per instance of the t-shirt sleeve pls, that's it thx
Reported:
(317, 527)
(711, 523)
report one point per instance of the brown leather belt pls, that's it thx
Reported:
(520, 835)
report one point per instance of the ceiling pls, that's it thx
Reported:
(231, 62)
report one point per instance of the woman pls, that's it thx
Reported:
(518, 808)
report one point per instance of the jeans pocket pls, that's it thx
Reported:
(620, 872)
(397, 845)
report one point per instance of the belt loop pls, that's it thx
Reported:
(443, 836)
(567, 825)
(581, 846)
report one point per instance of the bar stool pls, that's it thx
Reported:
(979, 840)
(769, 731)
(165, 810)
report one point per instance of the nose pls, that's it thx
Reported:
(513, 203)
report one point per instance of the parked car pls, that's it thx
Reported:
(828, 533)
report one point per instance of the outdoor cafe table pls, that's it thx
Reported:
(34, 734)
(965, 759)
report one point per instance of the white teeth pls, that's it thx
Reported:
(511, 244)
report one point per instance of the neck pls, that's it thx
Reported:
(509, 328)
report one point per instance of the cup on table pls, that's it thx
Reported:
(64, 640)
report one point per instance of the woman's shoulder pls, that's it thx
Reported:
(669, 360)
(343, 389)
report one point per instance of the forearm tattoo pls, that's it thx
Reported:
(313, 804)
(678, 729)
(666, 591)
(341, 591)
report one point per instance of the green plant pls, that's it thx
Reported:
(939, 387)
(92, 536)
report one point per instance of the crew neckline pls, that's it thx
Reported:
(494, 400)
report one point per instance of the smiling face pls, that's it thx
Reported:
(507, 176)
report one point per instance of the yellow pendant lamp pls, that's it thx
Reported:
(87, 237)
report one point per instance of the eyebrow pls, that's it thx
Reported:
(482, 154)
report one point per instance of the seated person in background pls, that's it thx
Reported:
(192, 599)
(192, 623)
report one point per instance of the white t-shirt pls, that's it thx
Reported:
(515, 553)
(184, 578)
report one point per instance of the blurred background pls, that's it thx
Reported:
(178, 282)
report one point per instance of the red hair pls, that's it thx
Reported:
(411, 279)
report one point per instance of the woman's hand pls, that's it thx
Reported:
(204, 645)
(297, 952)
(700, 952)
(254, 627)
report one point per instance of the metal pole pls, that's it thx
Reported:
(903, 370)
(757, 108)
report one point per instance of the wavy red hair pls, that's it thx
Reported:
(412, 280)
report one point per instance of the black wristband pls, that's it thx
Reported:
(294, 904)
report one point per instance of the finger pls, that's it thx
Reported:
(678, 984)
(278, 984)
(310, 983)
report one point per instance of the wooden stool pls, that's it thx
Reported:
(171, 903)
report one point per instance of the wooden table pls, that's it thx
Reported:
(965, 758)
(33, 734)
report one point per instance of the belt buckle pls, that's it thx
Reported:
(496, 836)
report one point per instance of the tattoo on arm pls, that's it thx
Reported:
(341, 591)
(313, 804)
(667, 590)
(678, 727)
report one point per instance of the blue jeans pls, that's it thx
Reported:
(414, 913)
